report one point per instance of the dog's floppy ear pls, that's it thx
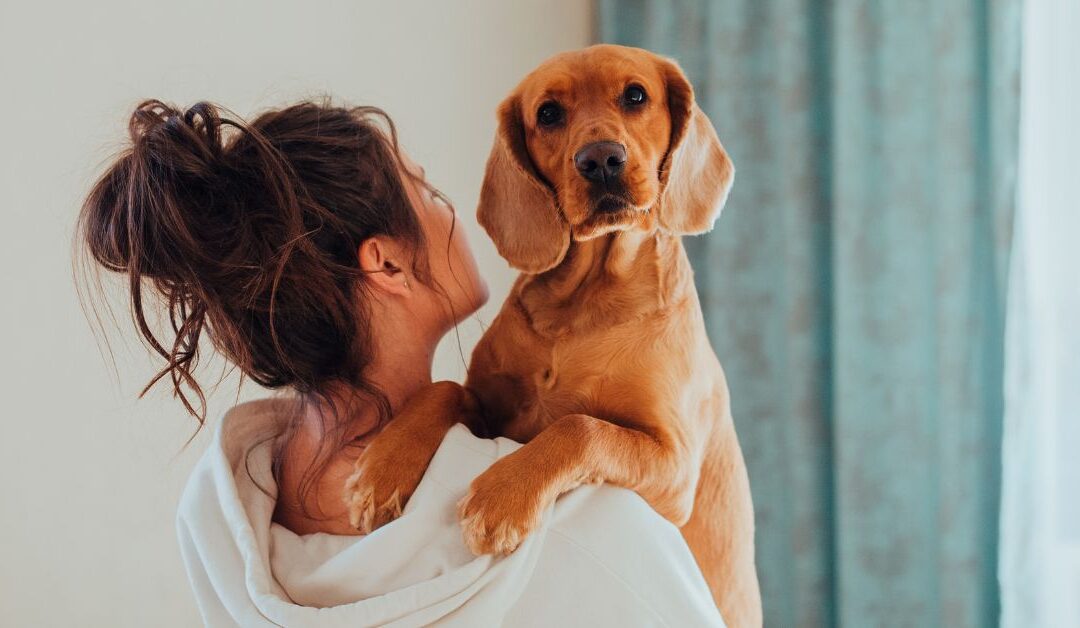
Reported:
(517, 209)
(696, 173)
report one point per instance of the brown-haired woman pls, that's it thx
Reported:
(312, 253)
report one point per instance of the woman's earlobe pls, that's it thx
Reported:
(374, 256)
(393, 269)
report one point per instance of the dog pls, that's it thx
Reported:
(599, 359)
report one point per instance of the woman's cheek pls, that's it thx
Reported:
(465, 283)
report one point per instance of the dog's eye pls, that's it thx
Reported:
(549, 114)
(634, 96)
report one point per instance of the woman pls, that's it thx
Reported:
(313, 254)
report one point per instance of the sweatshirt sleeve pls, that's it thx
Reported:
(610, 560)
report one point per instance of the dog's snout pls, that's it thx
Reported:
(601, 161)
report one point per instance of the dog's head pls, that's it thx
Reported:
(602, 139)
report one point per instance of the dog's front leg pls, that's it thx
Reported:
(392, 464)
(506, 502)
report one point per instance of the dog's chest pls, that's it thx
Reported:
(525, 383)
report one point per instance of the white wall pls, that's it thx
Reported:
(89, 477)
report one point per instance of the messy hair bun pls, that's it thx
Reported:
(248, 234)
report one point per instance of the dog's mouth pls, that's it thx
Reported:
(609, 212)
(611, 203)
(610, 199)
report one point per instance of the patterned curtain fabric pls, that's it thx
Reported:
(854, 287)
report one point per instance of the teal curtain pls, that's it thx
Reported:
(854, 287)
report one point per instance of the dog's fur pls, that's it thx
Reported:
(599, 359)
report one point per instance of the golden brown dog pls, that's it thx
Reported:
(599, 358)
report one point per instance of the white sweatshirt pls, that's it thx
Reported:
(602, 557)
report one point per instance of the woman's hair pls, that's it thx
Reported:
(248, 235)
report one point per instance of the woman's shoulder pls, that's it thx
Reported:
(252, 421)
(311, 475)
(240, 452)
(601, 539)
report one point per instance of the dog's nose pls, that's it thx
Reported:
(601, 161)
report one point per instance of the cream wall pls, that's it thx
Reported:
(89, 476)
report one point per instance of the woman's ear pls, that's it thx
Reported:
(696, 174)
(380, 259)
(517, 209)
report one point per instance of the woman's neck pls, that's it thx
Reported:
(402, 366)
(403, 355)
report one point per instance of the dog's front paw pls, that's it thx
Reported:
(386, 475)
(500, 509)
